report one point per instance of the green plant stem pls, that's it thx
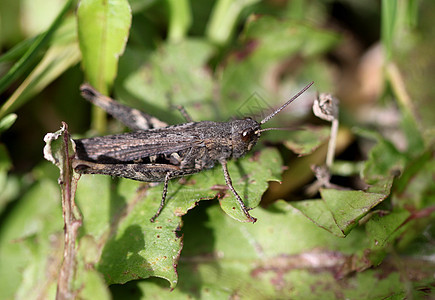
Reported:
(180, 19)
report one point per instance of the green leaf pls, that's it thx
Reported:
(7, 122)
(383, 229)
(383, 162)
(89, 283)
(347, 207)
(267, 41)
(31, 244)
(250, 178)
(306, 141)
(62, 55)
(118, 213)
(388, 25)
(30, 56)
(317, 211)
(175, 74)
(103, 28)
(18, 50)
(276, 38)
(225, 258)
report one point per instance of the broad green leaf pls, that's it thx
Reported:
(226, 258)
(383, 162)
(304, 142)
(347, 207)
(89, 283)
(251, 181)
(418, 169)
(117, 214)
(268, 40)
(175, 74)
(31, 244)
(103, 28)
(383, 229)
(276, 38)
(317, 211)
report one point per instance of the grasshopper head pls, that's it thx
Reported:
(245, 133)
(244, 136)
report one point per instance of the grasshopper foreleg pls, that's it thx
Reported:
(169, 176)
(230, 185)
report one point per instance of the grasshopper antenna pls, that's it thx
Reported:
(285, 104)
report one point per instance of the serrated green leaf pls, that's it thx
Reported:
(304, 142)
(277, 38)
(268, 41)
(251, 177)
(383, 229)
(175, 74)
(383, 164)
(272, 259)
(317, 211)
(282, 256)
(118, 214)
(347, 207)
(103, 28)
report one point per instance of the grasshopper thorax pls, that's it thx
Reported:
(244, 136)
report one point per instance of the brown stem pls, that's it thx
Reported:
(72, 222)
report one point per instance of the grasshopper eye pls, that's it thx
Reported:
(247, 135)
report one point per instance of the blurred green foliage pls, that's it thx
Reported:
(370, 236)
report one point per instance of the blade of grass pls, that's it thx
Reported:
(388, 22)
(29, 57)
(19, 49)
(57, 59)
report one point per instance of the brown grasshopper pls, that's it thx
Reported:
(156, 152)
